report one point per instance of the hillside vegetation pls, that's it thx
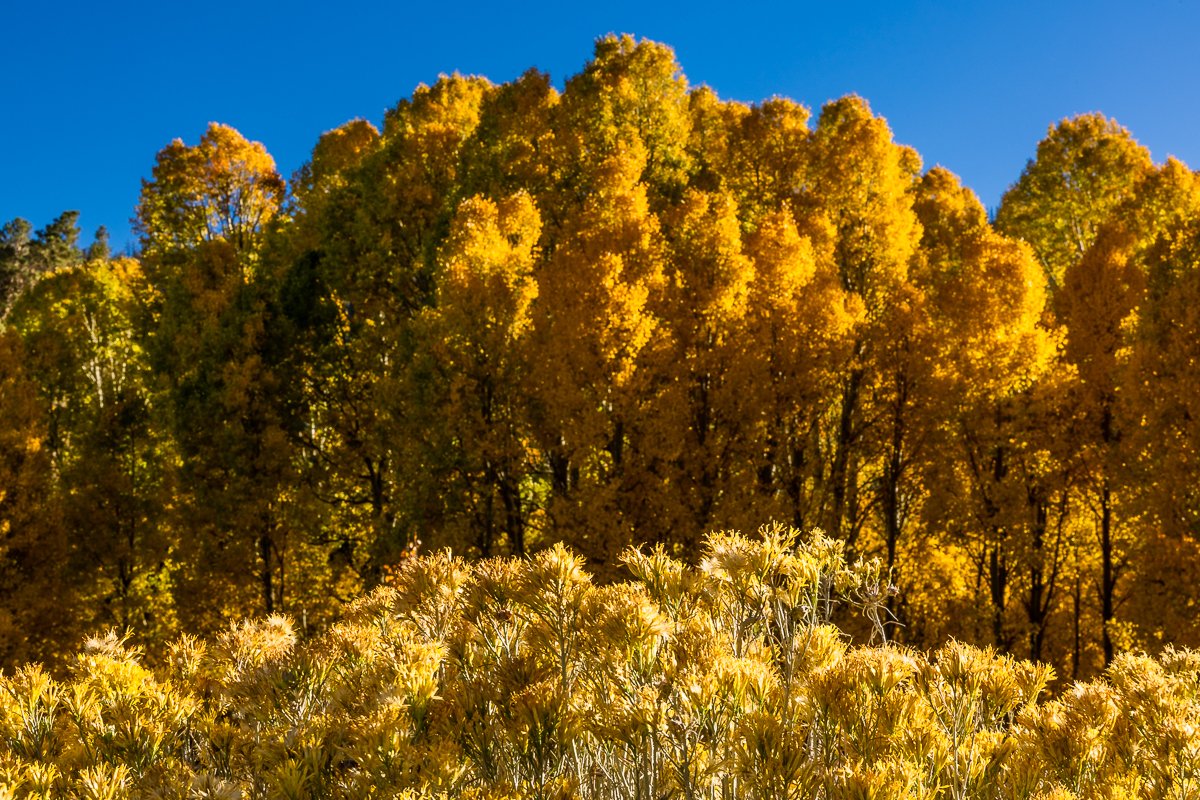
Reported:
(625, 313)
(515, 678)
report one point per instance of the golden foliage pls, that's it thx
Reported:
(622, 314)
(523, 679)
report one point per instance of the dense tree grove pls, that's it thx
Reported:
(625, 313)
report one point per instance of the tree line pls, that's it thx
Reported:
(627, 312)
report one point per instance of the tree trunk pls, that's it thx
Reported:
(998, 582)
(1108, 580)
(514, 519)
(267, 576)
(1040, 593)
(840, 473)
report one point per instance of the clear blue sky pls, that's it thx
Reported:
(94, 90)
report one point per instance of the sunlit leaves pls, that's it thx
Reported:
(622, 312)
(523, 679)
(477, 349)
(630, 93)
(223, 188)
(1084, 167)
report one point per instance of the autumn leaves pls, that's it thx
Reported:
(624, 312)
(523, 678)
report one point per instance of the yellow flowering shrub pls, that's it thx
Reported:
(525, 678)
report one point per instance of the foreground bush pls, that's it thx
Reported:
(521, 678)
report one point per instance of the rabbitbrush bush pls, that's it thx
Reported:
(524, 679)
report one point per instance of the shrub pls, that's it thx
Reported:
(525, 679)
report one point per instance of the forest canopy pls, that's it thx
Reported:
(624, 313)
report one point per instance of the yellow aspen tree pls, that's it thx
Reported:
(335, 154)
(798, 319)
(512, 148)
(108, 446)
(859, 180)
(1084, 168)
(1001, 349)
(797, 334)
(478, 345)
(702, 415)
(359, 287)
(329, 171)
(984, 298)
(1109, 301)
(204, 218)
(39, 605)
(597, 323)
(631, 91)
(409, 188)
(619, 152)
(767, 158)
(1088, 174)
(711, 123)
(1099, 302)
(223, 188)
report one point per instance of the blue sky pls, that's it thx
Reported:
(96, 89)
